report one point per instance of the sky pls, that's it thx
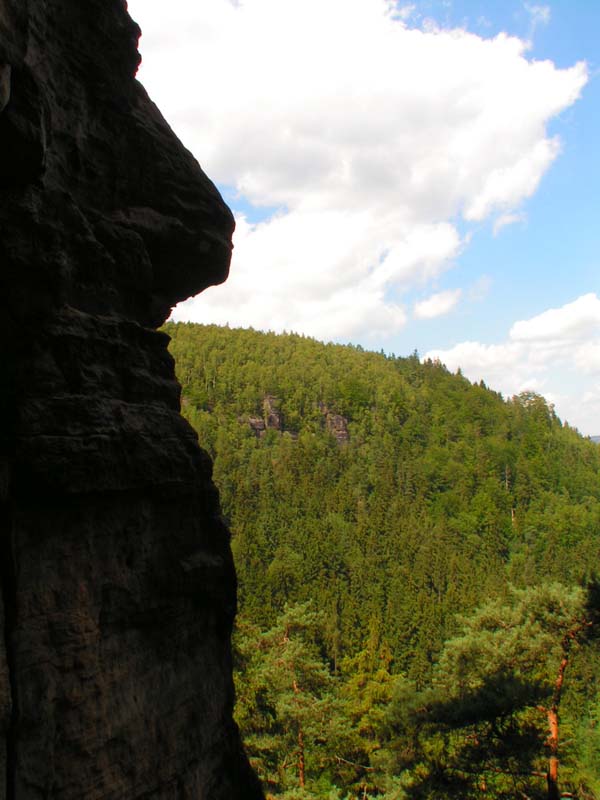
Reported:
(404, 176)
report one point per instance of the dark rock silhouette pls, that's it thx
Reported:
(118, 587)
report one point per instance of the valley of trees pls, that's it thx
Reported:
(418, 610)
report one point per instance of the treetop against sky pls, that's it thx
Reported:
(404, 175)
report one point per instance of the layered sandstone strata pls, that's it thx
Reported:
(118, 588)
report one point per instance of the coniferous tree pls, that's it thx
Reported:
(490, 722)
(426, 499)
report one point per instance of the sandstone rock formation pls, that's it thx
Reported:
(118, 588)
(272, 419)
(272, 414)
(338, 426)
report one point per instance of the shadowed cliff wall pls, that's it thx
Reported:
(118, 588)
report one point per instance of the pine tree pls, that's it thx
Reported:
(491, 721)
(291, 721)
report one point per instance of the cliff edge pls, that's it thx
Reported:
(118, 587)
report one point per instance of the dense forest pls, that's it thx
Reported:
(415, 556)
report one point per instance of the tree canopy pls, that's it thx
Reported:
(384, 500)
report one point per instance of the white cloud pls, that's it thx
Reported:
(539, 15)
(574, 321)
(590, 406)
(330, 273)
(507, 185)
(548, 354)
(508, 219)
(480, 289)
(404, 12)
(371, 137)
(587, 358)
(437, 305)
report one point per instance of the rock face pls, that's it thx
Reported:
(338, 426)
(272, 419)
(272, 414)
(118, 588)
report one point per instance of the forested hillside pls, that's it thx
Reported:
(415, 559)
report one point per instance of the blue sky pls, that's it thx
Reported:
(553, 256)
(404, 176)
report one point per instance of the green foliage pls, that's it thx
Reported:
(484, 722)
(292, 719)
(440, 495)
